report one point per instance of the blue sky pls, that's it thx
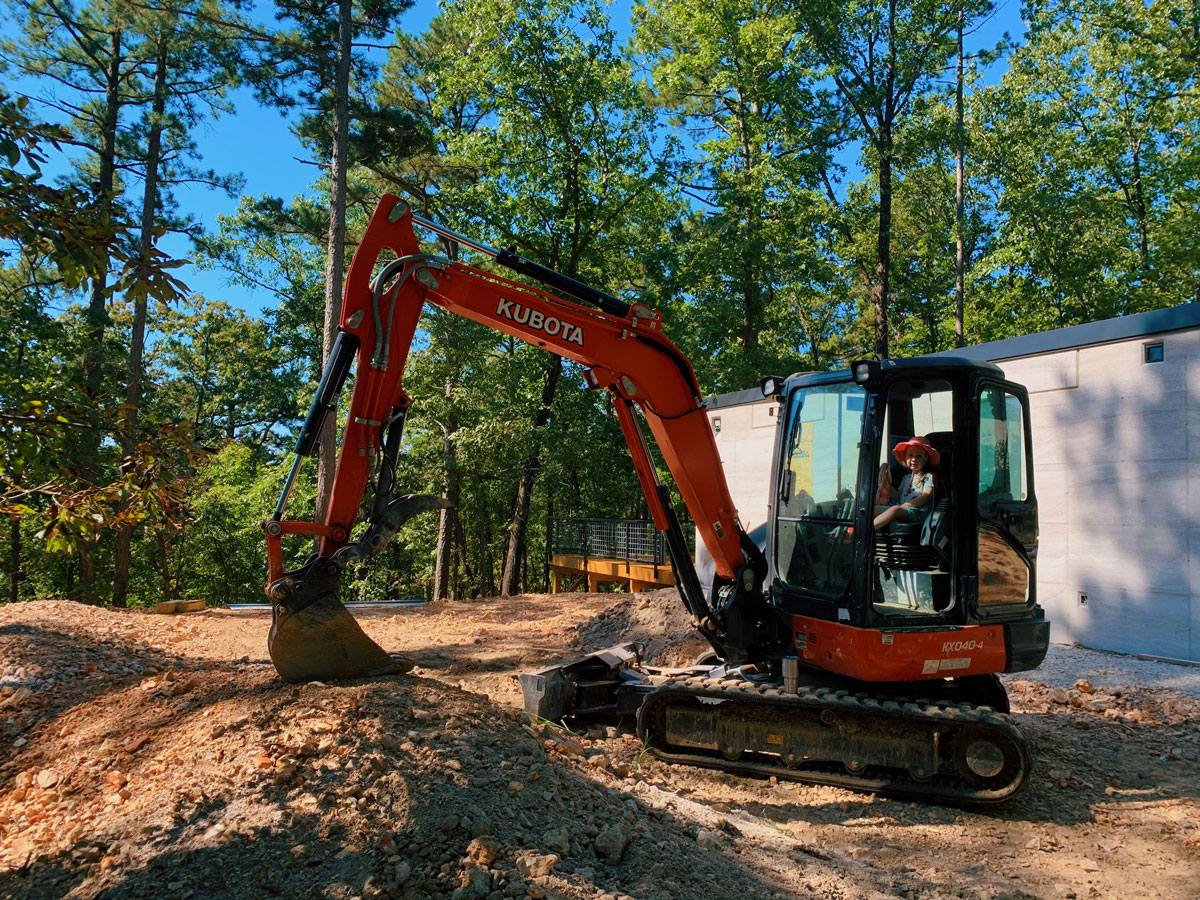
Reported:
(258, 143)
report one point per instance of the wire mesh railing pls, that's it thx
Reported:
(631, 540)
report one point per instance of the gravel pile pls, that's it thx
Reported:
(1064, 665)
(656, 619)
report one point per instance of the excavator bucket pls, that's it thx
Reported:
(323, 642)
(313, 636)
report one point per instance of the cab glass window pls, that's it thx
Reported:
(1003, 467)
(915, 408)
(817, 487)
(823, 443)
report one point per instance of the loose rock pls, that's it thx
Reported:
(611, 842)
(533, 865)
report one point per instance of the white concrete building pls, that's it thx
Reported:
(1115, 408)
(744, 425)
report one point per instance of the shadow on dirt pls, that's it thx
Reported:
(69, 671)
(310, 862)
(382, 799)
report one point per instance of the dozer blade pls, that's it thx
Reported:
(322, 642)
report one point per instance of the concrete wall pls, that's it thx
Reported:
(745, 436)
(744, 425)
(1116, 445)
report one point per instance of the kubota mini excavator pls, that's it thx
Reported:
(839, 655)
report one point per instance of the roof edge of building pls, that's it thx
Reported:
(734, 398)
(1106, 331)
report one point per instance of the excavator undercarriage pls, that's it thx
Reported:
(955, 752)
(946, 745)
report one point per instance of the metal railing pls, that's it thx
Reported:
(630, 540)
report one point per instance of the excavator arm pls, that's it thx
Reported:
(624, 351)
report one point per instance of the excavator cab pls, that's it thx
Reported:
(968, 561)
(871, 660)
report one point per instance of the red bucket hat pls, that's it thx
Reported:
(902, 448)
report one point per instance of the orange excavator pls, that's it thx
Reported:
(840, 654)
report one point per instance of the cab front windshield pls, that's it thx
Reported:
(818, 484)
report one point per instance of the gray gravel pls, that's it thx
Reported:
(1064, 665)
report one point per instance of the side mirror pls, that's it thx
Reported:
(772, 387)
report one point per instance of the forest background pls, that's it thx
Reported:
(793, 184)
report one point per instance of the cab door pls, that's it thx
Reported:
(1006, 508)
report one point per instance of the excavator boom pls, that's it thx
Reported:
(389, 282)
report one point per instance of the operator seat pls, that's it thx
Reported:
(923, 545)
(936, 531)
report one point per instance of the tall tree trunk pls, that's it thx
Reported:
(448, 518)
(883, 245)
(752, 309)
(14, 560)
(461, 557)
(752, 300)
(163, 554)
(15, 537)
(883, 256)
(520, 518)
(960, 292)
(335, 262)
(97, 313)
(137, 340)
(483, 536)
(1140, 213)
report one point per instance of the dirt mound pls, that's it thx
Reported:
(138, 772)
(160, 756)
(656, 619)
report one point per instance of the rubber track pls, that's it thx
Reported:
(943, 787)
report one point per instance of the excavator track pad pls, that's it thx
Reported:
(323, 642)
(936, 750)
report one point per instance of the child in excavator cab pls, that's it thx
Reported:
(912, 501)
